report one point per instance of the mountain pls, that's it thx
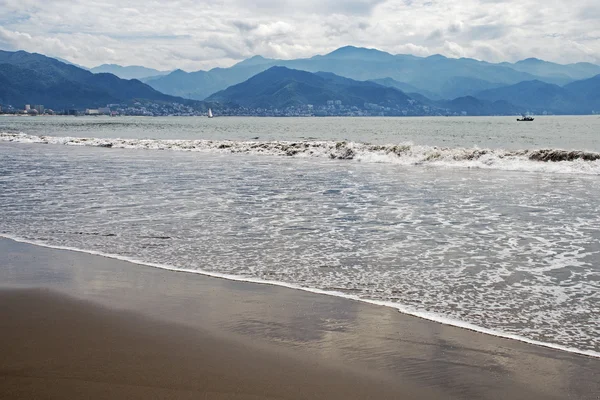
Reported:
(128, 72)
(62, 60)
(352, 53)
(405, 87)
(536, 96)
(459, 86)
(463, 86)
(473, 106)
(587, 91)
(281, 87)
(436, 76)
(30, 78)
(555, 73)
(201, 84)
(579, 97)
(191, 85)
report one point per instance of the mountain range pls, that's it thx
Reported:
(281, 87)
(435, 77)
(30, 78)
(128, 72)
(579, 97)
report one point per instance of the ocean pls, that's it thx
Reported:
(485, 223)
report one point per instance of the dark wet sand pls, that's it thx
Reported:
(74, 325)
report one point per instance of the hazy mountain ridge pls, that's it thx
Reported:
(128, 72)
(281, 87)
(30, 78)
(435, 76)
(406, 88)
(589, 91)
(566, 73)
(34, 78)
(538, 96)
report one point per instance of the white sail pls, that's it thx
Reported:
(210, 114)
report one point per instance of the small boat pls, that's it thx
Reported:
(210, 114)
(525, 118)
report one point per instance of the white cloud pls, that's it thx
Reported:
(454, 50)
(193, 35)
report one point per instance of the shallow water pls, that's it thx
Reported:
(507, 244)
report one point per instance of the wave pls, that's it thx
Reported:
(400, 307)
(540, 160)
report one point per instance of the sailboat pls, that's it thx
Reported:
(210, 114)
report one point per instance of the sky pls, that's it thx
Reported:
(193, 35)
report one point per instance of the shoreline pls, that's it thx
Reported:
(65, 347)
(309, 345)
(395, 306)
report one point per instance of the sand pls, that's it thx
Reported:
(73, 325)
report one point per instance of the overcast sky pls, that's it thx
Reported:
(194, 35)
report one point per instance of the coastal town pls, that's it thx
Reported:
(155, 109)
(148, 109)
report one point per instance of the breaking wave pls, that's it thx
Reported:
(540, 160)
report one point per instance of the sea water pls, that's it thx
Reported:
(485, 223)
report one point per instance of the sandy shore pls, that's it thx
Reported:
(74, 325)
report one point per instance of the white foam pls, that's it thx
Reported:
(401, 308)
(563, 162)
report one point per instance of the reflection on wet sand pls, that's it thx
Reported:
(374, 340)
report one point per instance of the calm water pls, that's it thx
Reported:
(457, 223)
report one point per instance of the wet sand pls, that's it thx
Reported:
(73, 325)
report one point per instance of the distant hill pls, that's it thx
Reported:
(352, 53)
(459, 86)
(536, 96)
(474, 106)
(587, 92)
(463, 86)
(30, 78)
(555, 73)
(436, 76)
(62, 60)
(128, 72)
(281, 87)
(19, 86)
(193, 85)
(405, 87)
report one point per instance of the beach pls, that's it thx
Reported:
(75, 325)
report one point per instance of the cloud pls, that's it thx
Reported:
(454, 50)
(192, 34)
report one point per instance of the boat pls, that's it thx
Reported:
(210, 114)
(525, 118)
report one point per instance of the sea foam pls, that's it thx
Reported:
(536, 160)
